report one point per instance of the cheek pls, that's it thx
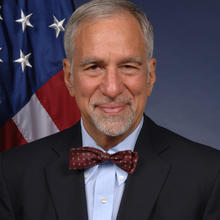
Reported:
(84, 87)
(138, 86)
(139, 90)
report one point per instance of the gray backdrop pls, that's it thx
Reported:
(185, 98)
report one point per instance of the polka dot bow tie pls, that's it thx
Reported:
(85, 157)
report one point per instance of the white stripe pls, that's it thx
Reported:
(33, 121)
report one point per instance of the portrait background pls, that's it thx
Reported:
(186, 95)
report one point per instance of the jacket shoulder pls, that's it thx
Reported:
(41, 151)
(180, 148)
(190, 153)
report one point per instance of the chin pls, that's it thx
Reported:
(114, 125)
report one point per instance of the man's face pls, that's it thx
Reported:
(111, 80)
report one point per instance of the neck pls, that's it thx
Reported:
(107, 142)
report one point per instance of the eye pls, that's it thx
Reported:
(94, 70)
(92, 67)
(129, 67)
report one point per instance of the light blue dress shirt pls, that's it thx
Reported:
(104, 184)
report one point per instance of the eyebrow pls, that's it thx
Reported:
(87, 61)
(137, 60)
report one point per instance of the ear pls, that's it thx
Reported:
(68, 78)
(151, 75)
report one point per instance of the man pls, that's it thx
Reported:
(110, 71)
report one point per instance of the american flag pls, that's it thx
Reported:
(33, 99)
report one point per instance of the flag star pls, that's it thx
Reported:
(1, 61)
(24, 20)
(23, 60)
(0, 14)
(57, 25)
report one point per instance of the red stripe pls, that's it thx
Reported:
(55, 98)
(10, 136)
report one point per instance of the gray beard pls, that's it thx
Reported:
(113, 125)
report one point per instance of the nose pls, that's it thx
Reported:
(112, 85)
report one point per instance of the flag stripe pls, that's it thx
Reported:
(10, 136)
(59, 104)
(27, 121)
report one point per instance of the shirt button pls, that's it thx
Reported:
(85, 175)
(104, 200)
(121, 178)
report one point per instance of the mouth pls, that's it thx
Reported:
(112, 108)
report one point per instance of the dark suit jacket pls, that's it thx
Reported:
(175, 179)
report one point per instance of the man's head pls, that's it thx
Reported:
(98, 9)
(109, 69)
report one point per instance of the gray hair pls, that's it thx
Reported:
(97, 9)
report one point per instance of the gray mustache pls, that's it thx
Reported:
(106, 100)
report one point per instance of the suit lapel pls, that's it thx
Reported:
(143, 187)
(67, 187)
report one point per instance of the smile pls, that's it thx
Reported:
(112, 108)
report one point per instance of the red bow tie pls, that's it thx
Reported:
(85, 157)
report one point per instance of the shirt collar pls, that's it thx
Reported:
(127, 144)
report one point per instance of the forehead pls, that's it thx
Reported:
(119, 30)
